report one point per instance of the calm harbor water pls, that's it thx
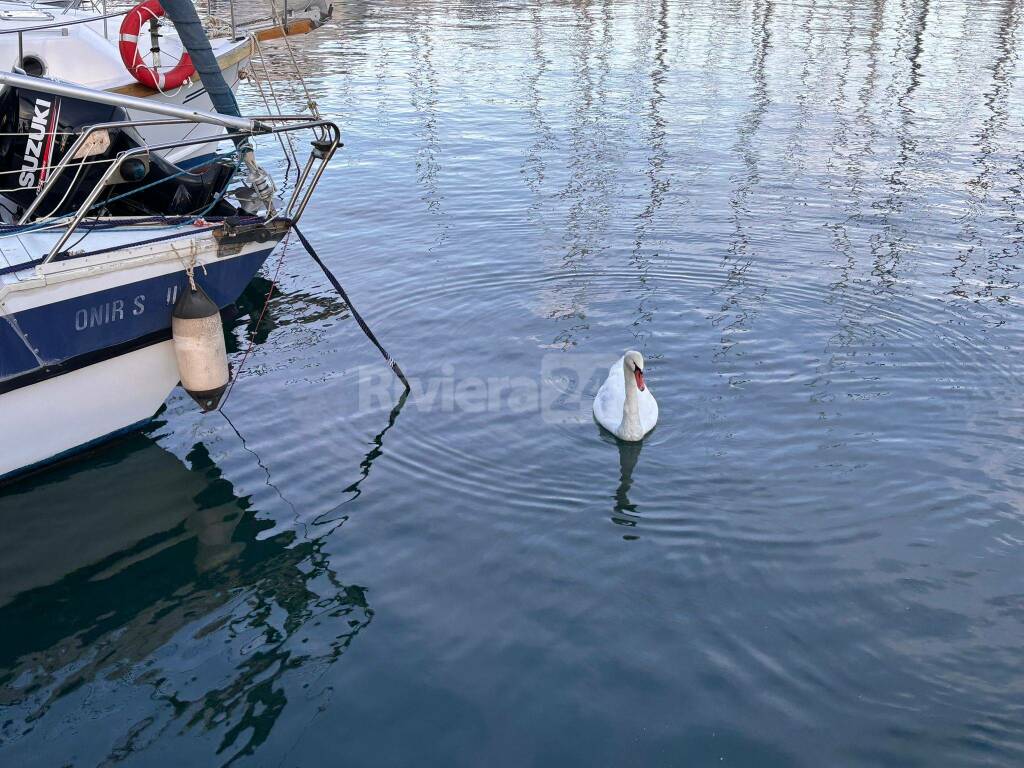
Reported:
(807, 216)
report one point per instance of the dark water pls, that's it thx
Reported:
(808, 218)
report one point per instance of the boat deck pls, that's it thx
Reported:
(13, 254)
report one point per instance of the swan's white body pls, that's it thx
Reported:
(621, 406)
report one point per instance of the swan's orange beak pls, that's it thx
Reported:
(639, 379)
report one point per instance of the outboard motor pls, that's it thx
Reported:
(38, 129)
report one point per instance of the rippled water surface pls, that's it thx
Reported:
(807, 216)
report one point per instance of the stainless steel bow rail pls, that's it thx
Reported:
(153, 106)
(326, 140)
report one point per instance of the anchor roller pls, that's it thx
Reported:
(199, 347)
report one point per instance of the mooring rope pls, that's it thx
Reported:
(256, 327)
(344, 297)
(355, 313)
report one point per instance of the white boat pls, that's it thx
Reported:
(85, 303)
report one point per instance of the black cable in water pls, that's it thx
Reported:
(358, 318)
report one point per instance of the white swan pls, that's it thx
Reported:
(624, 405)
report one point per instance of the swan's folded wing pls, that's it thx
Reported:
(615, 374)
(608, 408)
(648, 411)
(616, 381)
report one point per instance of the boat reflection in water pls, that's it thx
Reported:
(154, 584)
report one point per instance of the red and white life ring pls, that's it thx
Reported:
(149, 10)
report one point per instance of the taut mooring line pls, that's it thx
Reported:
(358, 318)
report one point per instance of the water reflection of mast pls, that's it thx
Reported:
(857, 157)
(887, 245)
(656, 161)
(979, 187)
(856, 139)
(797, 144)
(851, 160)
(424, 99)
(534, 167)
(590, 189)
(737, 308)
(567, 303)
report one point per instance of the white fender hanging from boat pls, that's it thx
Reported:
(199, 347)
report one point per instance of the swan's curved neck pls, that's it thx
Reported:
(630, 428)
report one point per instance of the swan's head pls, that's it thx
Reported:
(634, 363)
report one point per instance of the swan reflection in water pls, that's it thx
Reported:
(624, 511)
(136, 570)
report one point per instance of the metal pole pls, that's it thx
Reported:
(70, 155)
(154, 43)
(234, 31)
(100, 186)
(105, 36)
(153, 106)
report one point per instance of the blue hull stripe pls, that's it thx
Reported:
(86, 324)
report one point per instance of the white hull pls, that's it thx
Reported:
(45, 420)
